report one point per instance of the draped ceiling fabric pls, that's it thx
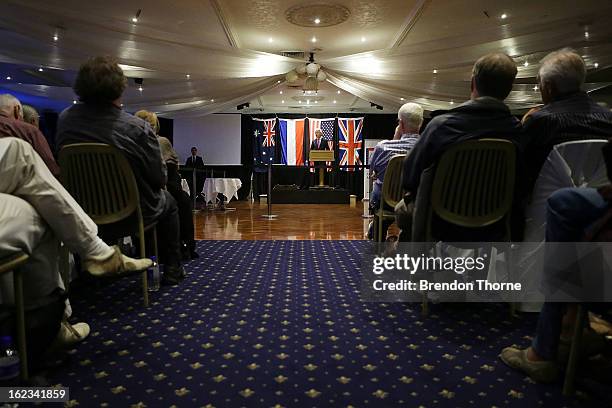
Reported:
(223, 75)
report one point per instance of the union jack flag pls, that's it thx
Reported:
(350, 141)
(269, 132)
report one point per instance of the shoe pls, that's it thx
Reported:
(173, 275)
(116, 264)
(539, 371)
(69, 335)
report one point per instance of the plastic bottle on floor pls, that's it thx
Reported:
(153, 276)
(9, 361)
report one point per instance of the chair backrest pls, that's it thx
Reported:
(392, 184)
(584, 161)
(101, 180)
(474, 182)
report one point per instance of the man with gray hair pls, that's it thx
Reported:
(13, 125)
(568, 113)
(31, 116)
(410, 119)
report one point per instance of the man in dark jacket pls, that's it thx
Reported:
(98, 118)
(484, 115)
(568, 114)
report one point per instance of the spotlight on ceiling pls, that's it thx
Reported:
(135, 18)
(55, 37)
(596, 65)
(314, 39)
(317, 20)
(374, 105)
(504, 16)
(243, 106)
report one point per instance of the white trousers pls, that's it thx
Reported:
(36, 212)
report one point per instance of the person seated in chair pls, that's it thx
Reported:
(571, 213)
(484, 115)
(12, 124)
(36, 213)
(98, 118)
(31, 116)
(173, 185)
(568, 113)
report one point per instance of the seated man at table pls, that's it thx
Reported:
(98, 118)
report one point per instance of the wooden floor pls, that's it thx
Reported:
(294, 221)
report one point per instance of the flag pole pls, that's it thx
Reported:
(269, 215)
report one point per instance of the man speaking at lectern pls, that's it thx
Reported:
(318, 143)
(195, 161)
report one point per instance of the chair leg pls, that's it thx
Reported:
(379, 234)
(145, 286)
(572, 363)
(21, 332)
(424, 305)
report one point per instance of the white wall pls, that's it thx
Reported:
(216, 136)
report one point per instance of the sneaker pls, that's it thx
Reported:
(539, 371)
(70, 334)
(117, 263)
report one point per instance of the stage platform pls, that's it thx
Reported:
(310, 196)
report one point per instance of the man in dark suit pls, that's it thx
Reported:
(319, 143)
(195, 161)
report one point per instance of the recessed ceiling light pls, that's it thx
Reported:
(535, 88)
(452, 103)
(316, 101)
(8, 78)
(278, 82)
(270, 39)
(40, 69)
(283, 101)
(55, 37)
(140, 88)
(74, 101)
(187, 76)
(307, 100)
(338, 92)
(122, 105)
(212, 100)
(504, 16)
(586, 34)
(299, 101)
(363, 39)
(596, 65)
(526, 63)
(317, 20)
(314, 39)
(280, 92)
(435, 71)
(334, 101)
(401, 99)
(134, 20)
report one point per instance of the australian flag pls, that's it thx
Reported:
(264, 141)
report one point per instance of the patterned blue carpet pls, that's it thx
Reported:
(280, 323)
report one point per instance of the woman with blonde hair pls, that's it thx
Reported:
(173, 185)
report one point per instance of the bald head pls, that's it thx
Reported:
(493, 75)
(561, 72)
(10, 106)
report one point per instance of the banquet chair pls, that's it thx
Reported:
(8, 264)
(101, 180)
(391, 193)
(470, 188)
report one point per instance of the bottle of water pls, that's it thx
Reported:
(153, 276)
(9, 360)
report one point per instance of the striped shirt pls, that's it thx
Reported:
(388, 148)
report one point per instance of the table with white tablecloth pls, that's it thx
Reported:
(227, 186)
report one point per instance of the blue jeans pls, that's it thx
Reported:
(570, 211)
(375, 196)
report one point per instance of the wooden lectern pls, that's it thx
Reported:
(321, 156)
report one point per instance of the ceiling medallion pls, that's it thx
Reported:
(327, 14)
